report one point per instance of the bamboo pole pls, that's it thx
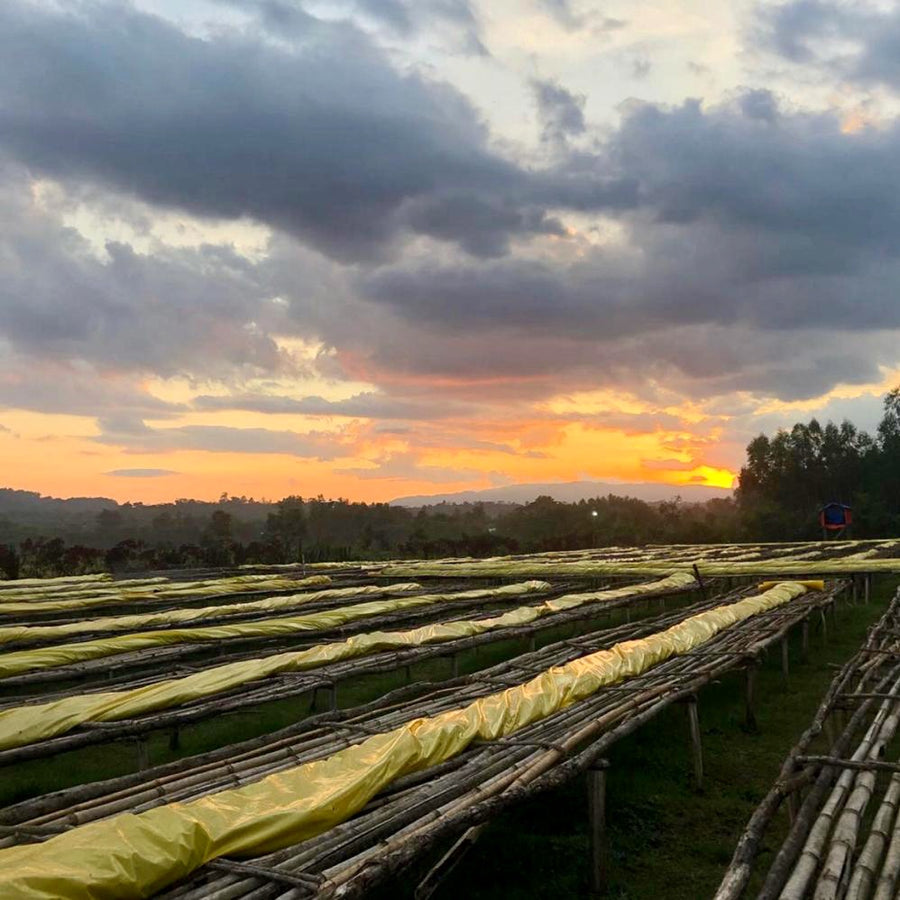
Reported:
(855, 669)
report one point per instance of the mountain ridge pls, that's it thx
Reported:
(572, 492)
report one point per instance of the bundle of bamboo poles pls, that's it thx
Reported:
(416, 811)
(844, 837)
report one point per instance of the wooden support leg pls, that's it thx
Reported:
(143, 754)
(454, 666)
(532, 643)
(407, 672)
(596, 786)
(855, 581)
(175, 739)
(824, 627)
(750, 698)
(867, 589)
(696, 743)
(332, 696)
(804, 643)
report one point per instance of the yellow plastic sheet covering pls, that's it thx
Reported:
(130, 855)
(655, 554)
(37, 633)
(40, 593)
(51, 582)
(595, 568)
(190, 590)
(23, 661)
(28, 724)
(809, 585)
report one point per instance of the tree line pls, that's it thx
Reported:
(298, 529)
(789, 476)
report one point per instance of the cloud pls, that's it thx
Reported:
(410, 17)
(744, 246)
(640, 67)
(560, 112)
(49, 386)
(746, 215)
(368, 405)
(202, 309)
(761, 256)
(857, 42)
(349, 158)
(131, 434)
(745, 230)
(141, 473)
(563, 13)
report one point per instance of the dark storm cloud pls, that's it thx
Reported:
(325, 140)
(560, 112)
(855, 41)
(168, 313)
(786, 174)
(48, 387)
(751, 221)
(757, 247)
(368, 405)
(759, 104)
(134, 436)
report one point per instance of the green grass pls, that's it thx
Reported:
(666, 839)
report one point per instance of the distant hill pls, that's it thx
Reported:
(572, 492)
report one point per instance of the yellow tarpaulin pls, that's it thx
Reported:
(130, 855)
(37, 633)
(42, 593)
(22, 661)
(107, 596)
(54, 582)
(596, 568)
(28, 724)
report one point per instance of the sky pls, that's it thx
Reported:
(371, 248)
